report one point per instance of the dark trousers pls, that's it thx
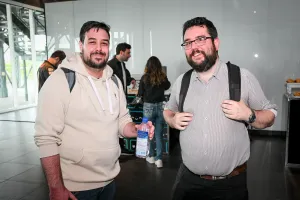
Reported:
(189, 186)
(104, 193)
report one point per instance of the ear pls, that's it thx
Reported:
(217, 43)
(80, 46)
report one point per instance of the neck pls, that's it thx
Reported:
(205, 76)
(119, 58)
(97, 73)
(52, 61)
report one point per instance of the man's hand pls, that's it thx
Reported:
(133, 82)
(181, 120)
(151, 129)
(236, 110)
(61, 194)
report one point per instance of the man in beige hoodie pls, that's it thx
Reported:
(78, 132)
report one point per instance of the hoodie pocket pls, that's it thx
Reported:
(100, 160)
(71, 155)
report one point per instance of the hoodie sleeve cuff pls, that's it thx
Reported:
(122, 126)
(48, 150)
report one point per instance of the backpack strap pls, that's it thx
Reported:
(234, 79)
(114, 78)
(185, 83)
(71, 78)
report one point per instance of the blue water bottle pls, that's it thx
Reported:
(142, 141)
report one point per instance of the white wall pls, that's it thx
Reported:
(268, 28)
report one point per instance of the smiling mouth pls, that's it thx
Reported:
(196, 54)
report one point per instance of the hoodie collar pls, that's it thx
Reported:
(76, 64)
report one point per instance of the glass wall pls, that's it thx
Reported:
(22, 50)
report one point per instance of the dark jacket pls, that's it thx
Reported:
(43, 72)
(115, 64)
(150, 93)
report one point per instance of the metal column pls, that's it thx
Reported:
(33, 52)
(12, 53)
(3, 86)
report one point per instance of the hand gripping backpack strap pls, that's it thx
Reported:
(234, 79)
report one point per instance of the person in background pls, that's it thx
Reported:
(152, 86)
(214, 141)
(49, 66)
(117, 63)
(77, 134)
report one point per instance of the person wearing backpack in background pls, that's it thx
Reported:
(152, 86)
(214, 141)
(49, 66)
(78, 125)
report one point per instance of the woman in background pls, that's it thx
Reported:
(152, 86)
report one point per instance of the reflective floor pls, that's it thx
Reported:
(21, 176)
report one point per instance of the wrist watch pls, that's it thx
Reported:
(252, 117)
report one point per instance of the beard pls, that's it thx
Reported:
(207, 63)
(89, 62)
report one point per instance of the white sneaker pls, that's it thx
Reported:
(159, 163)
(150, 160)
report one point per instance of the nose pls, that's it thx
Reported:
(98, 47)
(194, 46)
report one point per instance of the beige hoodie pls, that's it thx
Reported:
(82, 126)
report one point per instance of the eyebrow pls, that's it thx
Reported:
(96, 39)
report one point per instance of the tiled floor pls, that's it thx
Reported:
(21, 176)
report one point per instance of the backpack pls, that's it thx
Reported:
(234, 79)
(71, 78)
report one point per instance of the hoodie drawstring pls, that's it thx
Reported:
(109, 97)
(98, 96)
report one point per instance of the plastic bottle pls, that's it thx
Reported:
(142, 141)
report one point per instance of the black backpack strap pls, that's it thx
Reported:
(185, 83)
(114, 78)
(71, 78)
(234, 78)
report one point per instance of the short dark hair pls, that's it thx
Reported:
(59, 54)
(93, 24)
(122, 47)
(201, 21)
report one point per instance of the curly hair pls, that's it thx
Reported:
(153, 72)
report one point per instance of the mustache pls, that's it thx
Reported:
(197, 51)
(99, 53)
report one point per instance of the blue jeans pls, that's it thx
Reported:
(104, 193)
(154, 113)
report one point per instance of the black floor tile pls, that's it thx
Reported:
(11, 190)
(40, 193)
(33, 175)
(8, 170)
(31, 158)
(10, 154)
